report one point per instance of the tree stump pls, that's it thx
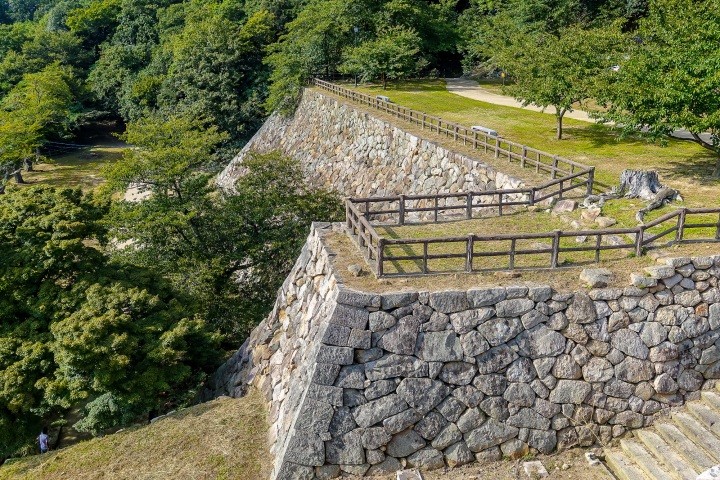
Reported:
(642, 184)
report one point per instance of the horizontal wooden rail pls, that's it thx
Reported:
(674, 226)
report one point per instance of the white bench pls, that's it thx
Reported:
(488, 131)
(383, 98)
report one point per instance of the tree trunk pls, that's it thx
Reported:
(384, 79)
(559, 130)
(2, 188)
(18, 176)
(640, 184)
(28, 165)
(716, 172)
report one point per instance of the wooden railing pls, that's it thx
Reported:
(464, 250)
(574, 174)
(465, 204)
(364, 234)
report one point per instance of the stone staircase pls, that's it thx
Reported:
(680, 447)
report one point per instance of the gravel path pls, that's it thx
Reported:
(470, 89)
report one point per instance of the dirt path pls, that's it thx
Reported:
(469, 88)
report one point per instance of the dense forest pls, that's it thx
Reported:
(122, 309)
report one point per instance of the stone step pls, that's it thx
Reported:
(693, 455)
(698, 433)
(711, 399)
(656, 445)
(622, 467)
(644, 460)
(708, 417)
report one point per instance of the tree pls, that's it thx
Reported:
(553, 70)
(216, 71)
(230, 253)
(393, 55)
(668, 78)
(76, 327)
(41, 106)
(312, 45)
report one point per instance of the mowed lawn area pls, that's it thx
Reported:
(82, 168)
(682, 164)
(222, 439)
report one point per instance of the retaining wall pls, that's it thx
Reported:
(348, 150)
(367, 383)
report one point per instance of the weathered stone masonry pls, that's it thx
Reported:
(346, 149)
(366, 383)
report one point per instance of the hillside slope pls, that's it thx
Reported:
(222, 439)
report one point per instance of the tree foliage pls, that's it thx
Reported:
(229, 252)
(77, 327)
(668, 78)
(391, 56)
(557, 70)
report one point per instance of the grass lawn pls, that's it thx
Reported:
(222, 439)
(82, 168)
(681, 164)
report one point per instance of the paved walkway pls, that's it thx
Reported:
(471, 89)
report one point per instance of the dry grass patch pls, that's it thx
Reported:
(222, 439)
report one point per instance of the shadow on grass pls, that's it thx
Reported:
(698, 167)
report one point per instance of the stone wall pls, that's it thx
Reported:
(368, 383)
(348, 150)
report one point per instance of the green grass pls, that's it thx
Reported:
(223, 439)
(78, 169)
(682, 164)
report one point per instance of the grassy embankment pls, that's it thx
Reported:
(681, 164)
(222, 439)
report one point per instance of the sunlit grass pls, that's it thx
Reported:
(682, 164)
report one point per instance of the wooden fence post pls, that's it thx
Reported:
(512, 254)
(553, 174)
(468, 212)
(380, 257)
(470, 246)
(560, 192)
(401, 210)
(681, 225)
(524, 156)
(347, 213)
(555, 249)
(532, 196)
(639, 241)
(497, 147)
(590, 180)
(717, 228)
(423, 121)
(475, 139)
(425, 257)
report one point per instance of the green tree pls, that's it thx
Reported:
(229, 252)
(216, 71)
(312, 45)
(41, 106)
(75, 327)
(391, 56)
(668, 78)
(553, 70)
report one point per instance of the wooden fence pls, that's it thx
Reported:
(574, 174)
(466, 204)
(464, 250)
